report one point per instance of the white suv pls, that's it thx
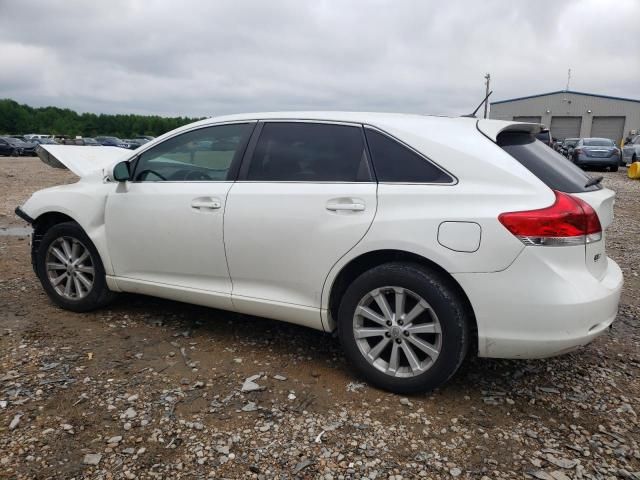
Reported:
(416, 238)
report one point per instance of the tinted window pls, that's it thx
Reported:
(544, 136)
(557, 172)
(393, 162)
(595, 142)
(205, 154)
(309, 152)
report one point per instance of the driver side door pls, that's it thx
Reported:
(164, 228)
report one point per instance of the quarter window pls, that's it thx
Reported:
(309, 152)
(205, 155)
(393, 162)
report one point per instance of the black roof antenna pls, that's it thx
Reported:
(473, 115)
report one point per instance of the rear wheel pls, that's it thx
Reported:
(404, 327)
(70, 269)
(613, 168)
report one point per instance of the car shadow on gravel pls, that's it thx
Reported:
(493, 380)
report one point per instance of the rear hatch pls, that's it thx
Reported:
(560, 174)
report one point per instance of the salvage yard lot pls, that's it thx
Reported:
(153, 389)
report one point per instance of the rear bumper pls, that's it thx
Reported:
(583, 160)
(542, 305)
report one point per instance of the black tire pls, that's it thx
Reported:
(445, 301)
(613, 168)
(99, 295)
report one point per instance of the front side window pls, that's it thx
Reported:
(309, 152)
(395, 163)
(202, 155)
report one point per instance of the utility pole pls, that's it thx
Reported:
(487, 78)
(568, 80)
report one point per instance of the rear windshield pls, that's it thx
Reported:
(544, 136)
(597, 142)
(557, 172)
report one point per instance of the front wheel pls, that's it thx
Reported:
(70, 270)
(403, 327)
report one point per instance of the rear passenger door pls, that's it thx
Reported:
(305, 196)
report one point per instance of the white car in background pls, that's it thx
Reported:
(631, 151)
(416, 238)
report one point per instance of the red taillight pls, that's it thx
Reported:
(569, 221)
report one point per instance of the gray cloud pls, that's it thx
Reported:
(201, 58)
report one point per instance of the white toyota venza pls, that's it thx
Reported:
(415, 238)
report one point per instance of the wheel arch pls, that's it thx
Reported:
(360, 264)
(42, 224)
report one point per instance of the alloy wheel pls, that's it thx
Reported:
(70, 268)
(397, 331)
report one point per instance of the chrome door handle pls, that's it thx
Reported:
(206, 204)
(354, 207)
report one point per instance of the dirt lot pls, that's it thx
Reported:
(152, 389)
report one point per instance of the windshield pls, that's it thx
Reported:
(597, 142)
(14, 141)
(571, 142)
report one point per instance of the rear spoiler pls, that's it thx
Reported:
(81, 160)
(493, 128)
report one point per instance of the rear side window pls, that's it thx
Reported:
(393, 162)
(309, 152)
(557, 172)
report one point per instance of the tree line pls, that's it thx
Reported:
(18, 119)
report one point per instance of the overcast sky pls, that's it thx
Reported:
(199, 58)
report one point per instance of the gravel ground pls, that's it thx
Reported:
(154, 389)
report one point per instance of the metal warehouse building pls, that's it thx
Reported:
(574, 114)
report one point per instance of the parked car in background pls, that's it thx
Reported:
(148, 138)
(43, 141)
(33, 136)
(19, 147)
(566, 148)
(8, 149)
(112, 142)
(384, 228)
(85, 141)
(596, 152)
(545, 137)
(631, 150)
(135, 142)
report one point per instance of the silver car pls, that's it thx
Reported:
(596, 152)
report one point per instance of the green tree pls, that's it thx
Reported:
(18, 119)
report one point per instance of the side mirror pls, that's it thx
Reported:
(120, 172)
